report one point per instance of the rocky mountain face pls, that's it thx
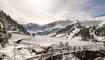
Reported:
(84, 31)
(69, 28)
(91, 32)
(100, 31)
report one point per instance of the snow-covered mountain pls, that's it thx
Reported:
(56, 26)
(101, 18)
(85, 29)
(48, 28)
(79, 30)
(35, 27)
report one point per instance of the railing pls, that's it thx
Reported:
(67, 49)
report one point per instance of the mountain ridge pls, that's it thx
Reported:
(54, 26)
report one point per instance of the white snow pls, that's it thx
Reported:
(23, 49)
(101, 24)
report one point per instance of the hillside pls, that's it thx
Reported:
(47, 28)
(12, 25)
(7, 24)
(28, 45)
(4, 35)
(77, 29)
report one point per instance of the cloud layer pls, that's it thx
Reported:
(46, 11)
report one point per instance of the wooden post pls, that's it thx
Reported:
(41, 57)
(69, 47)
(85, 48)
(74, 48)
(61, 55)
(14, 54)
(52, 54)
(66, 44)
(79, 48)
(61, 44)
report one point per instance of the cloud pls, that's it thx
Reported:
(51, 10)
(95, 8)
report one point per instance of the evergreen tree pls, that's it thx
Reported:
(3, 31)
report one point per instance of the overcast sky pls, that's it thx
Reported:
(45, 11)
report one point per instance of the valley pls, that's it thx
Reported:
(60, 40)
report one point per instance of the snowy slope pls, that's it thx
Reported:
(55, 26)
(24, 48)
(35, 27)
(12, 25)
(102, 18)
(101, 24)
(87, 30)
